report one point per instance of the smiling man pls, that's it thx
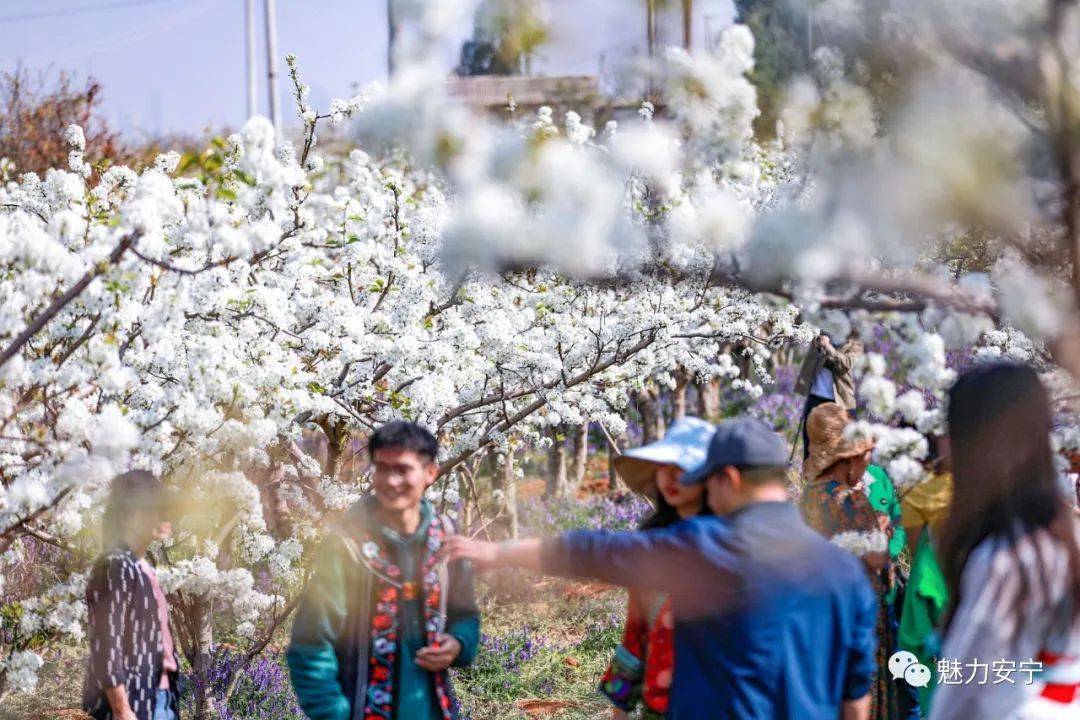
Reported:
(382, 618)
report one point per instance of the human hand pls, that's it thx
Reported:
(619, 714)
(884, 523)
(438, 657)
(484, 555)
(118, 703)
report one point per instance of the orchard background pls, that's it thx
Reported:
(237, 314)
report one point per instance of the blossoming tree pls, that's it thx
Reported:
(489, 280)
(204, 324)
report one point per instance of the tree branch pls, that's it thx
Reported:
(61, 302)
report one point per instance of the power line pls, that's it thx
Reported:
(77, 11)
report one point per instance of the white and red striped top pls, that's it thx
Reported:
(1000, 576)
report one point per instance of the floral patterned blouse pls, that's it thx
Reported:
(843, 513)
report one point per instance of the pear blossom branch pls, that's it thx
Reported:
(42, 319)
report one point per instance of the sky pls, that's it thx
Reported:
(178, 66)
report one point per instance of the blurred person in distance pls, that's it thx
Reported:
(826, 376)
(853, 503)
(132, 669)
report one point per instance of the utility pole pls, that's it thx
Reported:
(272, 65)
(249, 36)
(391, 38)
(687, 23)
(650, 26)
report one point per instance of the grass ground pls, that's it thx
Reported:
(544, 655)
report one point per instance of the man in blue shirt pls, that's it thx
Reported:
(771, 620)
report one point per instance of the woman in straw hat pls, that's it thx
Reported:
(853, 504)
(641, 670)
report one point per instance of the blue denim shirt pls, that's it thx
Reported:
(771, 620)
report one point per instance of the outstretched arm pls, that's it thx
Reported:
(493, 555)
(662, 559)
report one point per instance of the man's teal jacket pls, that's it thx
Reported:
(328, 653)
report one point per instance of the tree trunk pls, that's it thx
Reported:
(465, 498)
(708, 399)
(581, 454)
(391, 38)
(509, 490)
(614, 481)
(337, 436)
(652, 416)
(678, 397)
(275, 506)
(650, 26)
(202, 662)
(557, 480)
(743, 362)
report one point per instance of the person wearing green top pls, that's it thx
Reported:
(383, 617)
(884, 500)
(925, 601)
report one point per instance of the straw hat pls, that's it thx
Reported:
(685, 445)
(828, 446)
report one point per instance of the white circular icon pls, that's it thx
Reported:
(917, 675)
(900, 661)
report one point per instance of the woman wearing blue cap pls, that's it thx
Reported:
(642, 669)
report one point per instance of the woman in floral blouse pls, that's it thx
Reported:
(642, 669)
(838, 501)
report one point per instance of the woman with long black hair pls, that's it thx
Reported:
(1010, 551)
(642, 669)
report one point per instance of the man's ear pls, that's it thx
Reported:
(432, 470)
(734, 477)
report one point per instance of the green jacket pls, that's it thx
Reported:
(883, 499)
(328, 653)
(924, 604)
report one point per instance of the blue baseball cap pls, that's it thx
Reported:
(685, 445)
(744, 442)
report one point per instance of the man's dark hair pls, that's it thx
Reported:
(758, 475)
(130, 492)
(404, 435)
